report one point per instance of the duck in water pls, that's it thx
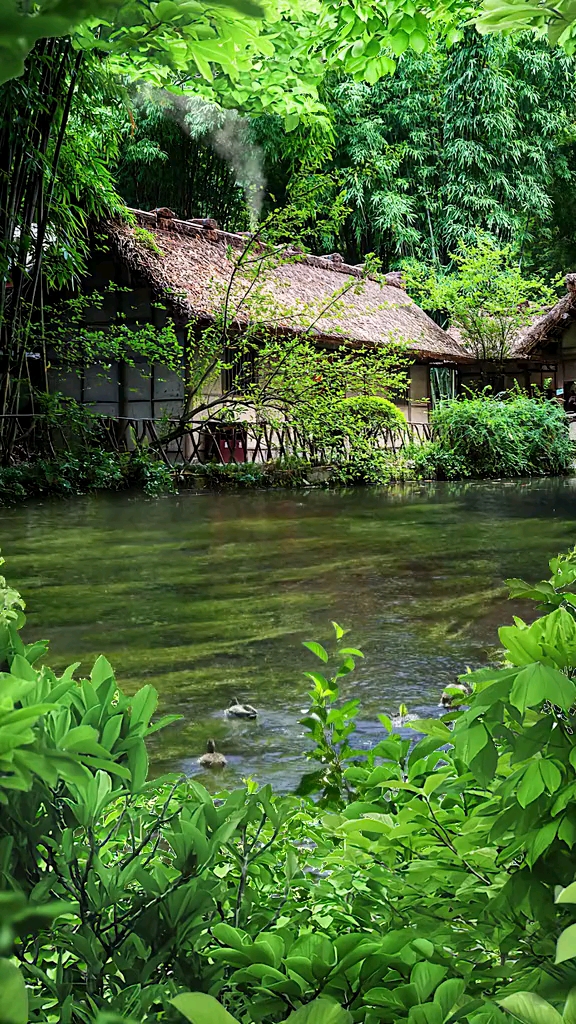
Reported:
(449, 696)
(212, 758)
(237, 710)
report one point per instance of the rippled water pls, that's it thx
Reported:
(209, 596)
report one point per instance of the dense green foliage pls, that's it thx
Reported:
(167, 160)
(419, 886)
(402, 133)
(483, 436)
(364, 440)
(463, 139)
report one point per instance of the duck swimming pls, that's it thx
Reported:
(449, 699)
(237, 710)
(212, 758)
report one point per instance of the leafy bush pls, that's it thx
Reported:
(368, 415)
(75, 453)
(483, 436)
(90, 470)
(425, 883)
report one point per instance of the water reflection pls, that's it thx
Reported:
(208, 596)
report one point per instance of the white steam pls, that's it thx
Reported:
(231, 142)
(226, 131)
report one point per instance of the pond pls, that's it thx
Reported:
(209, 596)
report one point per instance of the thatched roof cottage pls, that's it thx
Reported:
(187, 265)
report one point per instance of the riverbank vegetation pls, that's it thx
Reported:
(425, 880)
(364, 441)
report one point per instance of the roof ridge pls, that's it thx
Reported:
(188, 227)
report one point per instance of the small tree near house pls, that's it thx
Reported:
(259, 361)
(483, 296)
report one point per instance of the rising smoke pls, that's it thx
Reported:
(232, 143)
(226, 131)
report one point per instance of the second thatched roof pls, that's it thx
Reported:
(189, 265)
(549, 326)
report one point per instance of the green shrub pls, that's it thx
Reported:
(491, 437)
(368, 415)
(91, 469)
(417, 887)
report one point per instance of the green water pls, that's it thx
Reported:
(208, 596)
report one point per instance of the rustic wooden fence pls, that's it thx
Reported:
(26, 437)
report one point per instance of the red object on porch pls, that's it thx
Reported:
(232, 448)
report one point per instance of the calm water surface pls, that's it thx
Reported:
(209, 596)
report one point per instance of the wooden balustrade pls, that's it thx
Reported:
(28, 437)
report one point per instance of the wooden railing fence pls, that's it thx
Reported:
(27, 437)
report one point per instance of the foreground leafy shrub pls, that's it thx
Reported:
(491, 437)
(418, 885)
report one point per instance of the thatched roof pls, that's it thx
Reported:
(195, 262)
(551, 325)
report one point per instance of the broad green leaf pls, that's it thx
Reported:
(543, 838)
(531, 786)
(111, 731)
(566, 945)
(229, 936)
(426, 977)
(316, 649)
(530, 1008)
(568, 895)
(101, 671)
(399, 42)
(537, 683)
(320, 1011)
(162, 723)
(434, 781)
(81, 738)
(22, 669)
(484, 765)
(427, 1013)
(448, 993)
(13, 995)
(200, 1008)
(431, 727)
(138, 765)
(167, 10)
(424, 946)
(551, 774)
(265, 971)
(569, 1012)
(418, 41)
(143, 706)
(469, 741)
